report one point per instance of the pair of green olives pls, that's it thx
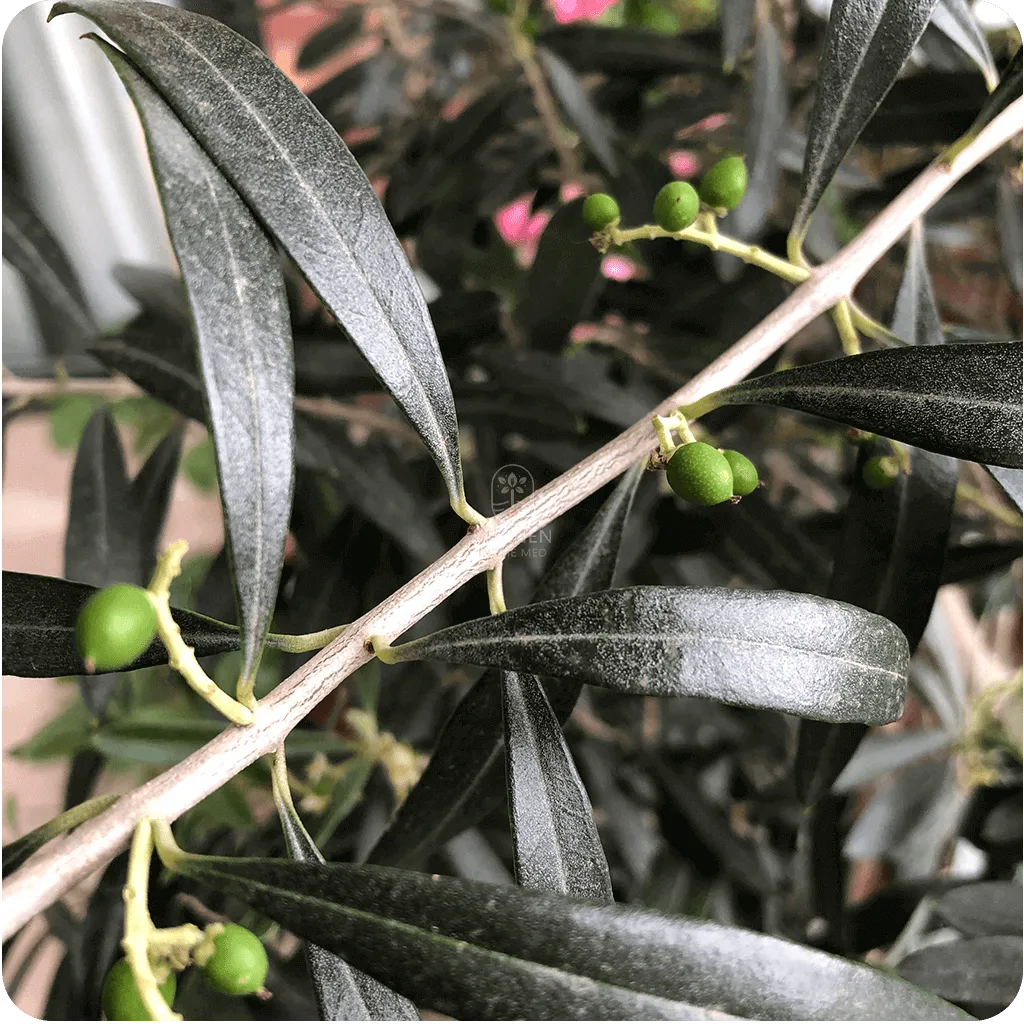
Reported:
(237, 967)
(676, 206)
(704, 475)
(115, 626)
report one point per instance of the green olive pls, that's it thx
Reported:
(744, 473)
(880, 471)
(676, 206)
(115, 626)
(600, 210)
(723, 185)
(700, 474)
(121, 998)
(238, 966)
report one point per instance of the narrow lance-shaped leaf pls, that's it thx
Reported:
(866, 46)
(788, 652)
(100, 546)
(767, 121)
(243, 335)
(1012, 483)
(557, 847)
(151, 494)
(294, 171)
(984, 973)
(579, 109)
(40, 613)
(56, 294)
(958, 400)
(984, 908)
(341, 992)
(465, 777)
(955, 19)
(492, 952)
(737, 19)
(17, 852)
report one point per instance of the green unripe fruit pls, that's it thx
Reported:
(723, 185)
(676, 206)
(116, 625)
(744, 473)
(600, 210)
(121, 998)
(238, 966)
(880, 471)
(700, 474)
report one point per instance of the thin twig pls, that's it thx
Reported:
(45, 879)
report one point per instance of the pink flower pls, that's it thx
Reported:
(618, 268)
(583, 332)
(683, 163)
(512, 220)
(579, 10)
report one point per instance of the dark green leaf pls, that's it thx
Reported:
(557, 847)
(627, 51)
(765, 125)
(1011, 233)
(464, 778)
(53, 287)
(803, 655)
(293, 169)
(984, 908)
(866, 46)
(39, 619)
(955, 19)
(156, 291)
(958, 400)
(342, 993)
(737, 18)
(479, 951)
(101, 543)
(240, 311)
(983, 972)
(16, 853)
(151, 495)
(563, 281)
(969, 561)
(579, 109)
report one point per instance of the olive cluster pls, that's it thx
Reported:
(236, 967)
(705, 475)
(676, 206)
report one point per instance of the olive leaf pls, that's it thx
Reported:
(959, 400)
(53, 287)
(579, 109)
(101, 546)
(17, 852)
(984, 908)
(956, 20)
(465, 777)
(481, 951)
(151, 495)
(866, 46)
(300, 179)
(1012, 483)
(983, 972)
(243, 336)
(563, 281)
(737, 18)
(557, 847)
(341, 992)
(765, 125)
(788, 652)
(39, 619)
